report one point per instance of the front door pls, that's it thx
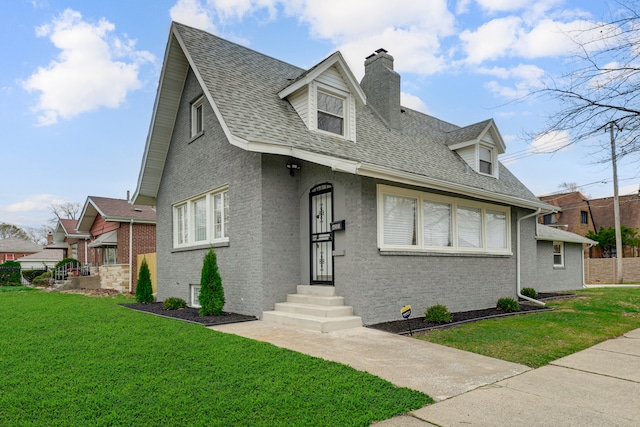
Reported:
(321, 237)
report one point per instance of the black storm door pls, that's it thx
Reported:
(321, 237)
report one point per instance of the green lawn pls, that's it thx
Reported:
(537, 339)
(71, 360)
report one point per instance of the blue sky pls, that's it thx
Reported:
(78, 80)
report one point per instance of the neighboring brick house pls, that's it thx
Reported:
(71, 241)
(578, 214)
(307, 181)
(12, 248)
(574, 215)
(111, 223)
(602, 211)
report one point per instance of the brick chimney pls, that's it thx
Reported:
(382, 86)
(49, 238)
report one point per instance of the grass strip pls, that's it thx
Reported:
(537, 339)
(71, 360)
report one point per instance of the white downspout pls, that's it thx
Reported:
(518, 252)
(130, 256)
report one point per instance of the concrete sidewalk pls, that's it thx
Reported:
(441, 372)
(599, 386)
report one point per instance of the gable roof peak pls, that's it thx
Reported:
(335, 59)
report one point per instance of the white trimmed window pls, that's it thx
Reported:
(202, 220)
(194, 295)
(197, 116)
(558, 254)
(485, 157)
(330, 113)
(447, 224)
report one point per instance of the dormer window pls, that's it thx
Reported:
(330, 113)
(486, 160)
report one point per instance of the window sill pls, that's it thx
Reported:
(194, 137)
(391, 252)
(558, 267)
(200, 247)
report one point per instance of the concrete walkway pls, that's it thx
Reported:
(599, 386)
(441, 372)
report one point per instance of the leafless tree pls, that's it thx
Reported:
(38, 235)
(67, 210)
(602, 84)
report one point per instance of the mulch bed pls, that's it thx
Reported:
(417, 324)
(189, 314)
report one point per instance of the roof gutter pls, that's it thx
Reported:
(519, 259)
(381, 172)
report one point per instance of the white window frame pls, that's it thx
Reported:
(195, 301)
(454, 202)
(560, 253)
(197, 117)
(347, 102)
(184, 224)
(492, 163)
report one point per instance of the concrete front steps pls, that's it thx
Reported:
(314, 307)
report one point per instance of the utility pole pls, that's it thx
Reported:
(616, 206)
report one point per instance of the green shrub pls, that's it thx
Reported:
(529, 292)
(30, 275)
(508, 305)
(42, 280)
(74, 263)
(10, 273)
(144, 290)
(437, 313)
(211, 296)
(174, 303)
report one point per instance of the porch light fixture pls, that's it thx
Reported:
(292, 168)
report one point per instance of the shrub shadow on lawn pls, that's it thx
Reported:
(189, 314)
(417, 324)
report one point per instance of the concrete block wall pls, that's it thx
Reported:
(603, 270)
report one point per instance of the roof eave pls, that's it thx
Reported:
(335, 59)
(409, 178)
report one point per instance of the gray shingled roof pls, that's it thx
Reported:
(545, 232)
(13, 244)
(244, 85)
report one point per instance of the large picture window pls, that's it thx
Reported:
(446, 224)
(201, 220)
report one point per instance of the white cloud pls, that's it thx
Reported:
(522, 78)
(192, 13)
(34, 202)
(491, 40)
(94, 69)
(550, 142)
(413, 102)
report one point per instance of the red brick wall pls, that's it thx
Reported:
(144, 241)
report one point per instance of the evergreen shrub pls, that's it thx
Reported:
(211, 296)
(144, 290)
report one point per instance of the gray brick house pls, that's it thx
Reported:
(308, 179)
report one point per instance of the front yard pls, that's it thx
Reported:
(74, 360)
(595, 315)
